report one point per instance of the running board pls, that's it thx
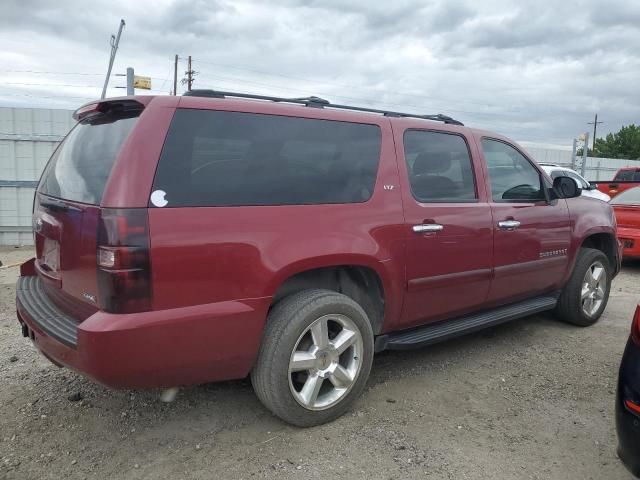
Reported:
(438, 332)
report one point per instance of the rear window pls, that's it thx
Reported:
(628, 175)
(213, 158)
(81, 165)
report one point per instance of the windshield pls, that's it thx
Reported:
(80, 167)
(628, 197)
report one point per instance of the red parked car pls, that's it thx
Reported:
(625, 178)
(183, 240)
(627, 209)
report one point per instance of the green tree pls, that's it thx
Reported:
(623, 144)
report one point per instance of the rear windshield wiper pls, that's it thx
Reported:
(59, 205)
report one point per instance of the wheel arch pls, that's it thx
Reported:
(599, 238)
(365, 281)
(607, 243)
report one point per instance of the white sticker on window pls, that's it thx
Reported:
(157, 198)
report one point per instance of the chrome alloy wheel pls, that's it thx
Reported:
(325, 362)
(594, 286)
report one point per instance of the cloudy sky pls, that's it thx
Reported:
(534, 70)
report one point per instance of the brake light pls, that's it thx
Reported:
(86, 111)
(124, 266)
(635, 327)
(94, 109)
(632, 406)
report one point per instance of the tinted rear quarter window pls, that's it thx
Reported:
(216, 158)
(80, 167)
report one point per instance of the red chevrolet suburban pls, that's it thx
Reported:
(183, 240)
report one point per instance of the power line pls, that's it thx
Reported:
(63, 73)
(49, 85)
(351, 87)
(262, 72)
(51, 73)
(67, 85)
(164, 82)
(348, 98)
(42, 96)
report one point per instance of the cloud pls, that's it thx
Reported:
(533, 70)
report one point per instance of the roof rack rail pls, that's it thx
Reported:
(317, 102)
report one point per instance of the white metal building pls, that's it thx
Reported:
(28, 136)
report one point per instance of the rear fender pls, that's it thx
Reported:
(390, 272)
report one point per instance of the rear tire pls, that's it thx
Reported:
(586, 294)
(315, 357)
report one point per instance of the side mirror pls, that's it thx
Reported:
(566, 187)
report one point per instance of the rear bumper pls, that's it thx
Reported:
(628, 423)
(165, 348)
(630, 241)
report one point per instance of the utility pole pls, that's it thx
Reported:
(595, 127)
(114, 48)
(190, 74)
(175, 76)
(130, 75)
(584, 154)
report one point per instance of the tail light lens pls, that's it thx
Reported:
(635, 328)
(124, 266)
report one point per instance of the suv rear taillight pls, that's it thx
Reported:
(124, 266)
(635, 328)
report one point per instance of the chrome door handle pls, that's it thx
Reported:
(508, 225)
(427, 228)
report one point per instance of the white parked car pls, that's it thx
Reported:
(588, 190)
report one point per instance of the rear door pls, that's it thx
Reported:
(66, 209)
(447, 222)
(531, 234)
(254, 192)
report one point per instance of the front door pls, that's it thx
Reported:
(449, 237)
(531, 233)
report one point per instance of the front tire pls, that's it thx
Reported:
(586, 294)
(315, 357)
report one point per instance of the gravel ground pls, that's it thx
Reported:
(533, 399)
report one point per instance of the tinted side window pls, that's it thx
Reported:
(439, 167)
(511, 175)
(213, 158)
